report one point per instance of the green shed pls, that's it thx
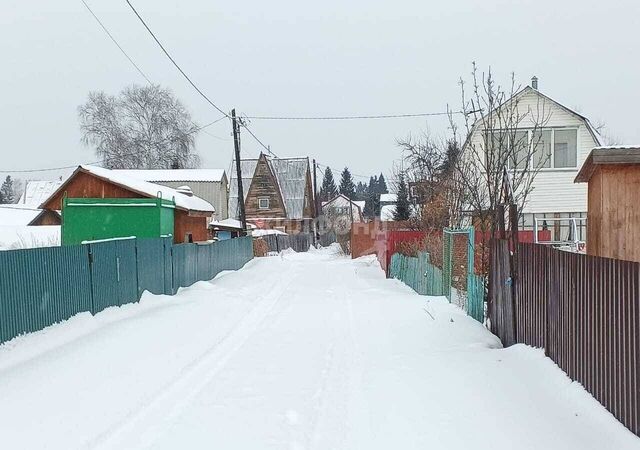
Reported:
(88, 219)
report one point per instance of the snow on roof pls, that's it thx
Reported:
(342, 200)
(260, 232)
(190, 203)
(230, 223)
(387, 212)
(17, 215)
(618, 147)
(290, 174)
(390, 198)
(158, 175)
(37, 191)
(360, 204)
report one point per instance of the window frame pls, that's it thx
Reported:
(552, 167)
(260, 200)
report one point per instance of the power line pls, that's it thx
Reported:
(382, 116)
(174, 62)
(116, 42)
(258, 140)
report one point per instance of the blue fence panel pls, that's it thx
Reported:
(42, 286)
(150, 256)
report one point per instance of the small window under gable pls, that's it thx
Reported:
(263, 203)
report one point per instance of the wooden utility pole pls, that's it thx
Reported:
(315, 201)
(236, 145)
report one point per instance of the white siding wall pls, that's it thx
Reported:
(213, 192)
(554, 189)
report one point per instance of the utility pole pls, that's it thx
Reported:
(236, 145)
(315, 200)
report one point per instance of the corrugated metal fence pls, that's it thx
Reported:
(427, 279)
(583, 310)
(43, 286)
(298, 242)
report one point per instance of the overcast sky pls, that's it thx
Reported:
(307, 58)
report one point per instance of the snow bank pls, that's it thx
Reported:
(17, 237)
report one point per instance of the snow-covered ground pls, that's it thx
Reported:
(299, 351)
(19, 237)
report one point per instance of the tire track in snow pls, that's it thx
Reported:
(169, 401)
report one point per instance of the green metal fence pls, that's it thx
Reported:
(428, 279)
(418, 273)
(43, 286)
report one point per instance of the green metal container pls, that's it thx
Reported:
(89, 219)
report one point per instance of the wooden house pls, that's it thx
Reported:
(191, 215)
(613, 221)
(339, 207)
(278, 193)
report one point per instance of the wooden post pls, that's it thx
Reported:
(316, 209)
(236, 145)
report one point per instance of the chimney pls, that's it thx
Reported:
(534, 82)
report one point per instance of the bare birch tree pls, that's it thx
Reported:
(142, 128)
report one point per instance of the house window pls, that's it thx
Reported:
(263, 203)
(552, 148)
(565, 148)
(542, 148)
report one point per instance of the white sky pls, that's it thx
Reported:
(302, 58)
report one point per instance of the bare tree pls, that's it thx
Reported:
(502, 132)
(142, 128)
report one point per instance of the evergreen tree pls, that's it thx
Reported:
(382, 185)
(361, 191)
(402, 204)
(369, 204)
(347, 187)
(6, 191)
(328, 189)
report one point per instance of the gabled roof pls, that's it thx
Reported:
(529, 90)
(290, 174)
(144, 188)
(388, 198)
(159, 175)
(17, 214)
(37, 191)
(341, 198)
(619, 154)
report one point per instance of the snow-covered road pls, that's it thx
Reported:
(302, 351)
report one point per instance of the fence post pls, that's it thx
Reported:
(513, 219)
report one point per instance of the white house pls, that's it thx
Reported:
(340, 206)
(567, 138)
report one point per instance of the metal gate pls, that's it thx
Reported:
(460, 283)
(114, 274)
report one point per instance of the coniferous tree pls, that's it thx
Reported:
(6, 191)
(369, 204)
(382, 185)
(402, 212)
(328, 189)
(347, 187)
(361, 191)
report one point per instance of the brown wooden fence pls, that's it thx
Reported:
(583, 310)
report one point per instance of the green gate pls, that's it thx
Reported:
(470, 295)
(114, 274)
